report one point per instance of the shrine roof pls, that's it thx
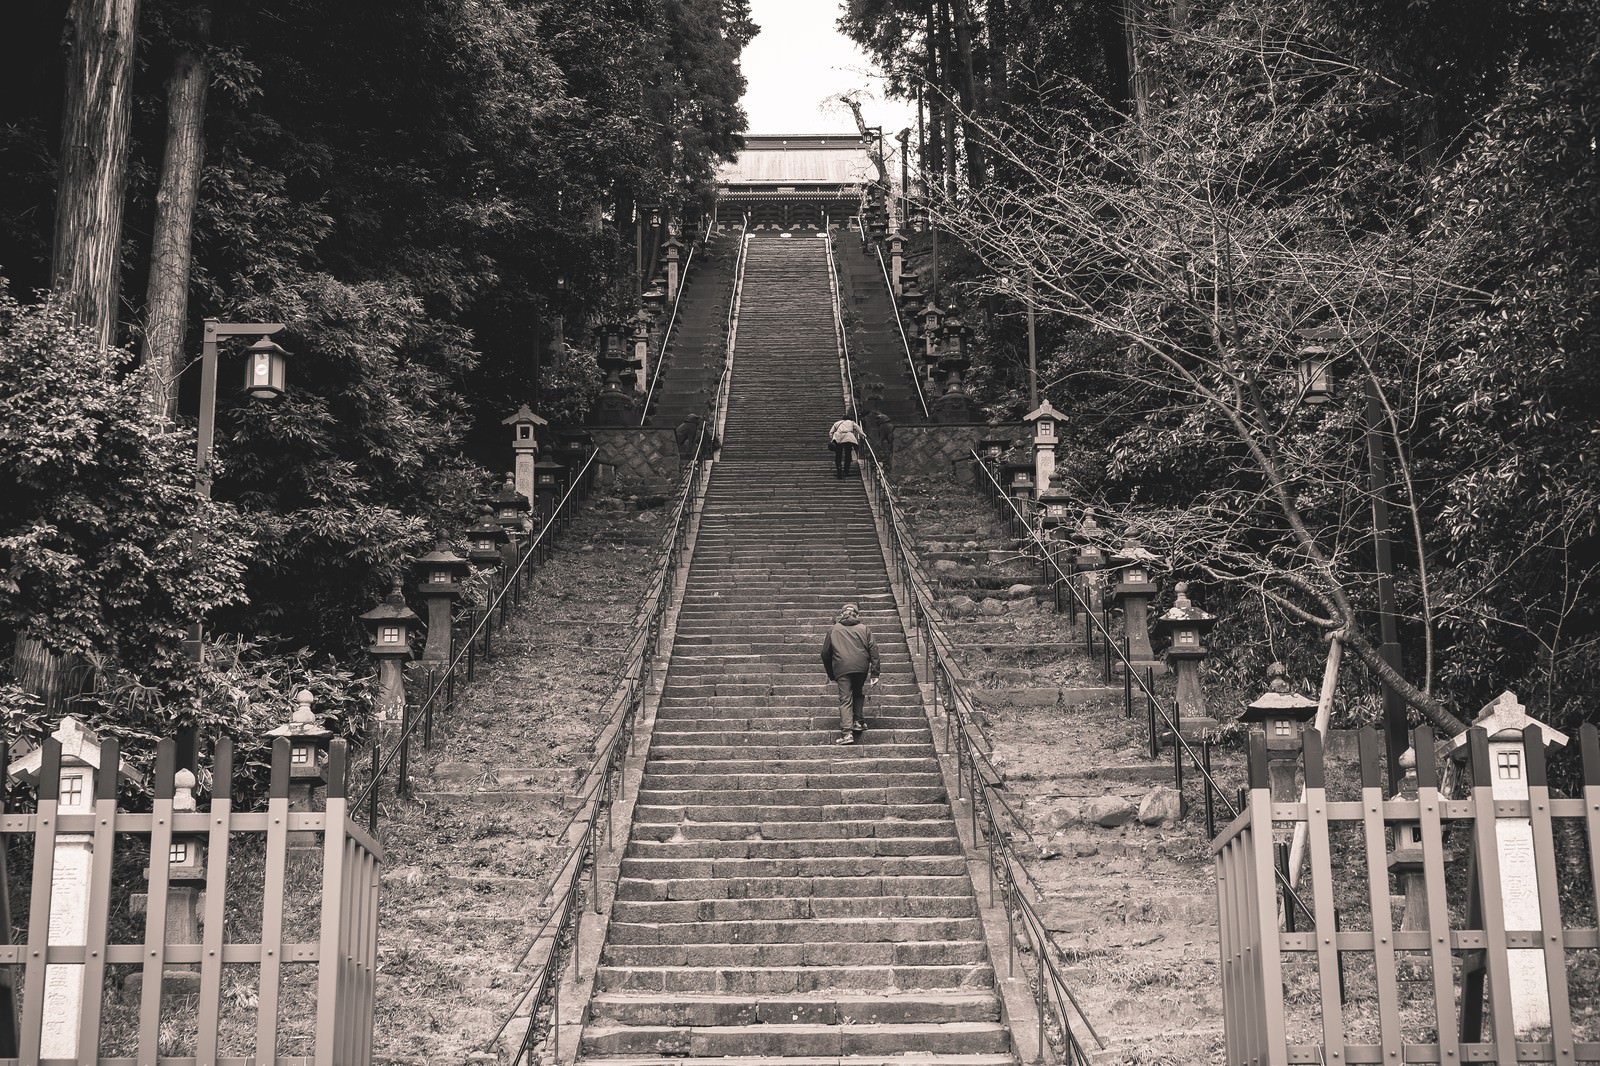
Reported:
(796, 159)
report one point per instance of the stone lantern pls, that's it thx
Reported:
(1510, 730)
(897, 254)
(932, 320)
(550, 481)
(1047, 422)
(654, 299)
(571, 449)
(525, 429)
(1282, 715)
(616, 397)
(641, 349)
(672, 261)
(1315, 363)
(991, 450)
(485, 539)
(1185, 627)
(511, 507)
(439, 576)
(308, 762)
(953, 404)
(1055, 506)
(389, 624)
(1016, 474)
(911, 297)
(1132, 593)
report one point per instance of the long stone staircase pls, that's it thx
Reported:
(783, 899)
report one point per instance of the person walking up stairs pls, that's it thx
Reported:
(782, 899)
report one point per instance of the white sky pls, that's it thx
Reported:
(798, 60)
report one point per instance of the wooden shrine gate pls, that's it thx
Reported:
(252, 942)
(1503, 965)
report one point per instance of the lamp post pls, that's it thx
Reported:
(1317, 387)
(265, 380)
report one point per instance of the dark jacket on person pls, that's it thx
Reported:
(849, 649)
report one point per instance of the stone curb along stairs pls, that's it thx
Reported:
(780, 898)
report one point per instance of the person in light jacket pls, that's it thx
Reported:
(850, 655)
(844, 435)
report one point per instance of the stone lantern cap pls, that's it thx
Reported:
(1504, 719)
(1184, 613)
(509, 498)
(392, 609)
(1044, 410)
(302, 723)
(524, 416)
(1278, 701)
(486, 526)
(443, 557)
(80, 746)
(549, 464)
(672, 244)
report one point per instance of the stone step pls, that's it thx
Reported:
(792, 1040)
(654, 869)
(780, 980)
(696, 1010)
(649, 792)
(813, 762)
(781, 887)
(875, 814)
(903, 952)
(799, 848)
(850, 932)
(834, 777)
(793, 908)
(685, 835)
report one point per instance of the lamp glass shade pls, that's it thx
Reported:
(1316, 376)
(265, 371)
(1135, 575)
(302, 753)
(1186, 637)
(442, 576)
(390, 635)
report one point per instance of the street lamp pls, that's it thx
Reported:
(266, 369)
(264, 380)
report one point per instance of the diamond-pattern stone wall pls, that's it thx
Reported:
(643, 457)
(939, 449)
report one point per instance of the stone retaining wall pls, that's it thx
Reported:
(641, 457)
(938, 449)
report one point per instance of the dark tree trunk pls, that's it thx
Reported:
(94, 160)
(967, 83)
(167, 298)
(933, 160)
(999, 77)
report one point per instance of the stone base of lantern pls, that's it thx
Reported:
(615, 408)
(1194, 729)
(951, 407)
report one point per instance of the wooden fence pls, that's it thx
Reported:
(273, 962)
(1361, 988)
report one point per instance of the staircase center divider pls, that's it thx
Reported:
(894, 302)
(1168, 718)
(975, 773)
(442, 689)
(558, 937)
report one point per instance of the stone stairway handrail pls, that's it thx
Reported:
(911, 364)
(974, 770)
(421, 718)
(600, 788)
(666, 334)
(1168, 718)
(1051, 993)
(731, 333)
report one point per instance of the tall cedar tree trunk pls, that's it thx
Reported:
(94, 160)
(968, 85)
(999, 78)
(947, 80)
(1133, 16)
(933, 150)
(167, 299)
